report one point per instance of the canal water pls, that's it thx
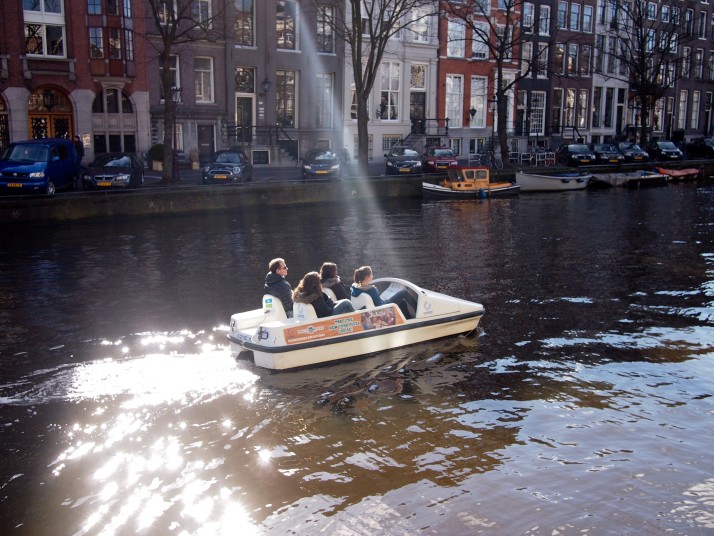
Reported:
(584, 405)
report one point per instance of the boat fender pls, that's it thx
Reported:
(482, 193)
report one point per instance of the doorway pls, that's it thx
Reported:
(244, 119)
(417, 111)
(206, 142)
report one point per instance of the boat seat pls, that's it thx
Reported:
(304, 311)
(330, 293)
(273, 307)
(363, 301)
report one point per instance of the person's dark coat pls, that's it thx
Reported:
(322, 304)
(276, 285)
(335, 284)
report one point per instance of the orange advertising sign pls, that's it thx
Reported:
(335, 326)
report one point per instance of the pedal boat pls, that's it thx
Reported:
(469, 183)
(279, 343)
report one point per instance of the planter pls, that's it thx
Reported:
(195, 165)
(157, 166)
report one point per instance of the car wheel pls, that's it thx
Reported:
(51, 189)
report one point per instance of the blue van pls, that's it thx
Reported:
(39, 166)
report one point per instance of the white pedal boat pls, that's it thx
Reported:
(277, 342)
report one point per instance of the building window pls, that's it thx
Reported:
(203, 72)
(245, 80)
(527, 66)
(682, 112)
(480, 40)
(285, 99)
(419, 26)
(127, 9)
(583, 97)
(588, 19)
(244, 23)
(686, 61)
(44, 28)
(456, 41)
(597, 106)
(201, 12)
(115, 43)
(575, 17)
(286, 25)
(454, 99)
(528, 17)
(537, 111)
(562, 15)
(651, 11)
(389, 89)
(569, 108)
(557, 111)
(175, 76)
(129, 41)
(702, 32)
(165, 11)
(609, 105)
(572, 61)
(559, 58)
(325, 29)
(325, 96)
(94, 7)
(479, 94)
(694, 121)
(113, 7)
(96, 43)
(585, 54)
(699, 64)
(544, 24)
(542, 60)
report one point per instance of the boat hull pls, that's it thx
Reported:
(295, 343)
(630, 180)
(533, 182)
(441, 192)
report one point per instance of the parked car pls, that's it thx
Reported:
(574, 154)
(607, 153)
(320, 164)
(402, 160)
(664, 151)
(114, 170)
(231, 165)
(633, 152)
(437, 158)
(700, 148)
(39, 166)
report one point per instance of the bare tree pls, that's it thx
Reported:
(177, 23)
(366, 27)
(495, 25)
(647, 44)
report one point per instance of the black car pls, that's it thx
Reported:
(607, 153)
(320, 164)
(402, 160)
(231, 165)
(664, 151)
(633, 152)
(113, 170)
(700, 148)
(574, 154)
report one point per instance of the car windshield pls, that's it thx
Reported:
(322, 155)
(442, 152)
(27, 153)
(112, 161)
(605, 147)
(630, 147)
(405, 152)
(666, 145)
(578, 148)
(228, 158)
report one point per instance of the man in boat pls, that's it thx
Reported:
(276, 284)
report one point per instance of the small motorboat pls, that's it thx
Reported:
(278, 342)
(634, 179)
(469, 183)
(685, 174)
(552, 182)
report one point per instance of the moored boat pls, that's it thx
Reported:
(469, 183)
(680, 174)
(551, 182)
(633, 179)
(278, 342)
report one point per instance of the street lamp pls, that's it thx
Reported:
(175, 98)
(493, 106)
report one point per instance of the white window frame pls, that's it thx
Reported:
(454, 100)
(479, 101)
(544, 25)
(456, 40)
(479, 43)
(201, 11)
(204, 80)
(47, 20)
(390, 89)
(694, 110)
(324, 113)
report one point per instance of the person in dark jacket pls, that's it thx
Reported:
(79, 148)
(330, 279)
(309, 290)
(276, 284)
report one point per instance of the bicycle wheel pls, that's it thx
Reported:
(497, 163)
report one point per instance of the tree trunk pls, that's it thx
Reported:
(362, 136)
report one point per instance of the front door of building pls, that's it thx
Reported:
(244, 119)
(206, 142)
(417, 111)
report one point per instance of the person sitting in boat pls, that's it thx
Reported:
(363, 283)
(309, 290)
(276, 284)
(330, 279)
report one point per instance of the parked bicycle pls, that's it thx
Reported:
(487, 159)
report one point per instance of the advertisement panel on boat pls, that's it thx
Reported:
(336, 326)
